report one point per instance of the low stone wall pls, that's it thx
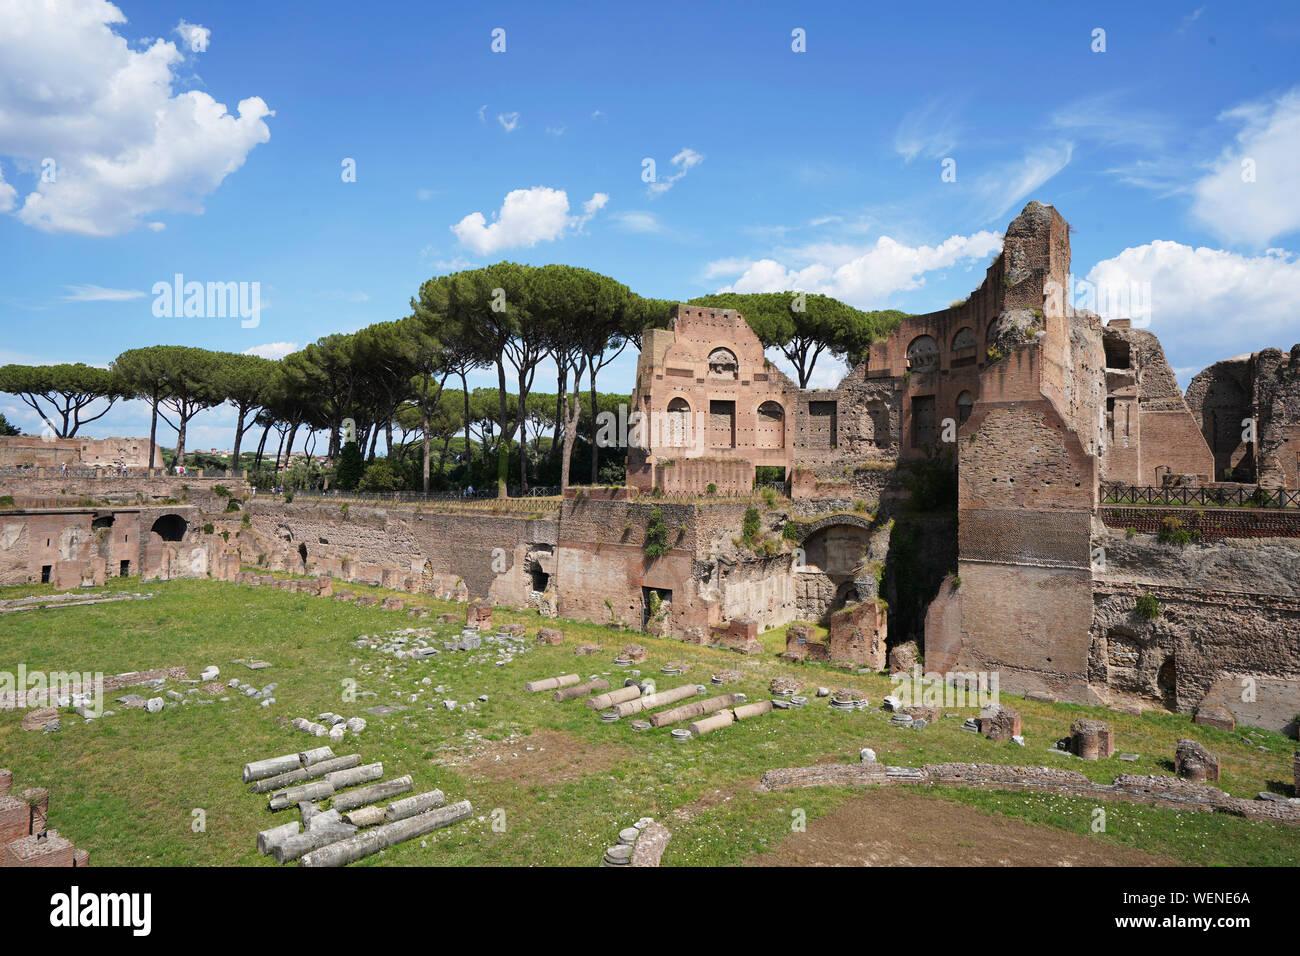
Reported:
(1170, 792)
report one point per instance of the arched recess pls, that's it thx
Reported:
(771, 426)
(965, 403)
(170, 527)
(964, 339)
(923, 354)
(677, 430)
(723, 364)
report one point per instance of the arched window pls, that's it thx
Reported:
(771, 426)
(965, 402)
(923, 354)
(964, 339)
(677, 429)
(723, 364)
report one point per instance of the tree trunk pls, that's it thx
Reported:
(153, 430)
(503, 443)
(595, 451)
(181, 422)
(424, 426)
(239, 438)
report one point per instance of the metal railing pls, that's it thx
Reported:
(483, 494)
(1118, 493)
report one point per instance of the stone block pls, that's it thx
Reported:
(479, 615)
(1092, 739)
(38, 717)
(1193, 762)
(999, 723)
(1214, 715)
(393, 604)
(549, 635)
(904, 657)
(45, 848)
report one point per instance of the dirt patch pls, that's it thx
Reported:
(897, 828)
(548, 756)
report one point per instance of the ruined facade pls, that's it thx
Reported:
(1033, 416)
(35, 451)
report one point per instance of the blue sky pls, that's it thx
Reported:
(819, 169)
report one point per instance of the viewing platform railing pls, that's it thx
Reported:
(1117, 493)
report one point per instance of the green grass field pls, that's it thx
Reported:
(125, 786)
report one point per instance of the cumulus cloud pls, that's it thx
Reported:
(1207, 303)
(1250, 193)
(273, 350)
(123, 145)
(8, 195)
(508, 121)
(194, 37)
(861, 276)
(527, 217)
(683, 162)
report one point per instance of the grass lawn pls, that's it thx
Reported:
(125, 786)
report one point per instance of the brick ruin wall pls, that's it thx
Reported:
(33, 451)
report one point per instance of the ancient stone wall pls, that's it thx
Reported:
(33, 451)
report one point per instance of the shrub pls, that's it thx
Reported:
(232, 505)
(221, 491)
(769, 497)
(208, 529)
(656, 535)
(350, 467)
(712, 489)
(380, 476)
(790, 532)
(1148, 607)
(6, 500)
(288, 495)
(750, 525)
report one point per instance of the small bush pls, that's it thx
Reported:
(790, 532)
(769, 497)
(288, 495)
(1148, 607)
(656, 536)
(232, 505)
(6, 501)
(712, 489)
(750, 525)
(208, 529)
(221, 491)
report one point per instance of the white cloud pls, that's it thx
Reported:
(589, 209)
(930, 131)
(508, 121)
(527, 217)
(1207, 302)
(684, 161)
(425, 194)
(481, 117)
(556, 130)
(634, 220)
(1269, 140)
(863, 277)
(273, 350)
(97, 293)
(124, 146)
(8, 195)
(194, 37)
(1002, 188)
